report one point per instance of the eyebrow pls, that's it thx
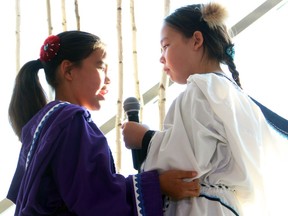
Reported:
(101, 62)
(161, 41)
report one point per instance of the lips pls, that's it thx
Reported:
(166, 70)
(104, 91)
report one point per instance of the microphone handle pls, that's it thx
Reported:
(136, 153)
(133, 116)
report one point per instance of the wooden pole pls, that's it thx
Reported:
(48, 7)
(135, 60)
(18, 19)
(120, 87)
(77, 14)
(64, 21)
(50, 30)
(163, 82)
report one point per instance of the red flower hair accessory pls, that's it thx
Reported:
(50, 48)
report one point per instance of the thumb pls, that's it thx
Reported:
(187, 174)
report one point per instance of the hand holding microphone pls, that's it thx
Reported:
(133, 133)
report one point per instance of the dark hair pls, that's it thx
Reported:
(217, 40)
(28, 96)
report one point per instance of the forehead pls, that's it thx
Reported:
(98, 56)
(99, 53)
(167, 32)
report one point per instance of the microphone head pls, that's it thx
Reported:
(131, 104)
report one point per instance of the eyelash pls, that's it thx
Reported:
(103, 67)
(164, 47)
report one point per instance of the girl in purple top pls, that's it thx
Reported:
(65, 165)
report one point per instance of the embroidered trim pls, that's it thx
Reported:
(166, 203)
(88, 117)
(217, 199)
(217, 186)
(138, 195)
(38, 130)
(281, 132)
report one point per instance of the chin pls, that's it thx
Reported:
(98, 105)
(93, 107)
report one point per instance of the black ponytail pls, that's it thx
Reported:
(28, 96)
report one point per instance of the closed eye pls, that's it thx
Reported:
(102, 66)
(164, 47)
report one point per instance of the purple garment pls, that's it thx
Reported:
(72, 172)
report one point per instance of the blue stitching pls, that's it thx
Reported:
(38, 130)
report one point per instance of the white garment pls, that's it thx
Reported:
(214, 128)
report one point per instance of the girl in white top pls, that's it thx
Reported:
(213, 127)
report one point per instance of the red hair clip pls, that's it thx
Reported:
(50, 48)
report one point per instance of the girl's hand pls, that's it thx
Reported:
(133, 134)
(172, 184)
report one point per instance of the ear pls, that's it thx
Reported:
(197, 40)
(66, 69)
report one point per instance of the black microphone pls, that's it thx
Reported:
(131, 107)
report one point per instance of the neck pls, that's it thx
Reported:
(209, 66)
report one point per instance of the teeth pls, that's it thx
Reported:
(104, 92)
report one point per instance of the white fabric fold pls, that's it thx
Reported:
(214, 128)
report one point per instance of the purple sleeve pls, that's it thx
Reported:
(145, 186)
(84, 172)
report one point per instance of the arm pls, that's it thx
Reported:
(145, 142)
(87, 180)
(172, 181)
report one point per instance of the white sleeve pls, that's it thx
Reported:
(189, 139)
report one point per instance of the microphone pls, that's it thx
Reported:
(131, 107)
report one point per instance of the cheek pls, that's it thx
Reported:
(182, 58)
(98, 81)
(174, 60)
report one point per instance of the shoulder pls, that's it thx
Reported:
(72, 109)
(209, 80)
(63, 110)
(56, 114)
(212, 85)
(69, 113)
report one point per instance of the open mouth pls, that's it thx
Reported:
(104, 91)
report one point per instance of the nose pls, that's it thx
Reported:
(162, 59)
(107, 80)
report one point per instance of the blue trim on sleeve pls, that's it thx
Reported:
(139, 195)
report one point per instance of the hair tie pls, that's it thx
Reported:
(50, 48)
(230, 51)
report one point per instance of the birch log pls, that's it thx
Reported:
(64, 20)
(50, 29)
(135, 60)
(77, 14)
(48, 7)
(120, 87)
(18, 19)
(164, 81)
